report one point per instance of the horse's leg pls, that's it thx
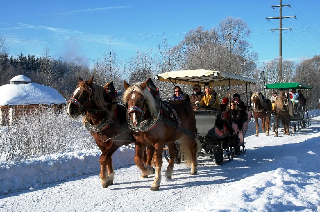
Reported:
(193, 145)
(263, 119)
(276, 126)
(172, 153)
(287, 125)
(267, 122)
(149, 159)
(284, 122)
(104, 160)
(138, 159)
(257, 124)
(158, 162)
(110, 169)
(103, 171)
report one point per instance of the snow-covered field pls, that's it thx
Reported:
(275, 174)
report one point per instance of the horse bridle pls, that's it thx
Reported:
(134, 109)
(80, 105)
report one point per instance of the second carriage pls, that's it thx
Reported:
(299, 115)
(213, 140)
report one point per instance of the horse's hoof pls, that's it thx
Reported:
(256, 135)
(106, 184)
(194, 173)
(144, 176)
(155, 188)
(153, 171)
(169, 177)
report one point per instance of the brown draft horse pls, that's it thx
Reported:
(106, 121)
(261, 110)
(282, 105)
(158, 123)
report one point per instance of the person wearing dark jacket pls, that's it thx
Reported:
(179, 95)
(240, 115)
(196, 97)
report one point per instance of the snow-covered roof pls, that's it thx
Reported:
(20, 79)
(28, 93)
(203, 77)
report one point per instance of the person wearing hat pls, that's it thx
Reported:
(224, 104)
(196, 96)
(210, 100)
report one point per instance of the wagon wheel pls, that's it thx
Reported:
(166, 154)
(218, 156)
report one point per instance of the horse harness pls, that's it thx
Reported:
(164, 107)
(262, 103)
(106, 122)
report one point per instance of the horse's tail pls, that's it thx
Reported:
(189, 145)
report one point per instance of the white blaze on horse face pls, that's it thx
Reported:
(133, 96)
(134, 119)
(76, 91)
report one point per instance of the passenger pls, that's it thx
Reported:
(196, 97)
(224, 104)
(210, 100)
(239, 110)
(179, 95)
(294, 99)
(273, 100)
(238, 101)
(302, 101)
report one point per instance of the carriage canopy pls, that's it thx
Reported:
(204, 77)
(288, 85)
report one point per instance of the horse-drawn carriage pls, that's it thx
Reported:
(297, 111)
(213, 141)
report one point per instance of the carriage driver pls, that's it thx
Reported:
(179, 95)
(273, 100)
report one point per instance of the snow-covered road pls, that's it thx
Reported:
(275, 174)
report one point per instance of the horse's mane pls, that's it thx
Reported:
(98, 97)
(147, 95)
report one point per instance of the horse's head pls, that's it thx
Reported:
(89, 97)
(281, 100)
(256, 100)
(139, 102)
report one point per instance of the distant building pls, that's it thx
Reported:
(22, 96)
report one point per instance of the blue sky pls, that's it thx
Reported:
(88, 29)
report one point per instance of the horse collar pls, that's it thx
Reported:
(104, 124)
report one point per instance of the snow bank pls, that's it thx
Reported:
(33, 173)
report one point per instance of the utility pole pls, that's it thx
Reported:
(280, 33)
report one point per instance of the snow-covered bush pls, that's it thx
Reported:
(42, 134)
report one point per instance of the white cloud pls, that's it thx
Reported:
(90, 10)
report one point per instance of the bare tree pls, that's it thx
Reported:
(109, 69)
(308, 72)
